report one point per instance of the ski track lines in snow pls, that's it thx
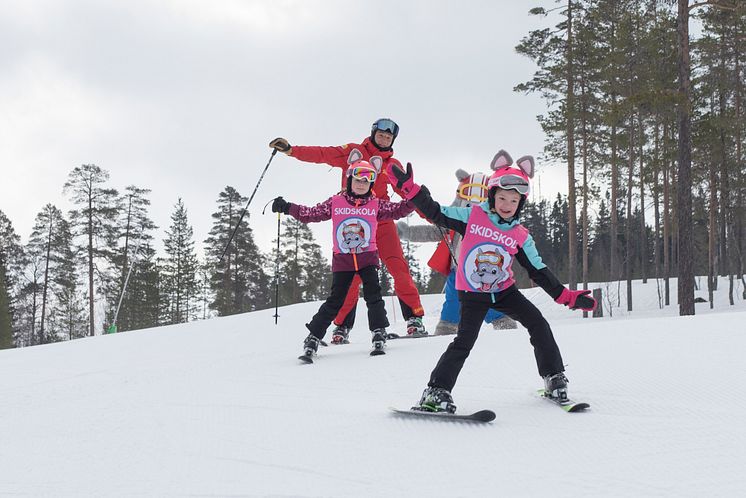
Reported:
(223, 408)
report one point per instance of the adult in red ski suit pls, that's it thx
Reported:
(383, 134)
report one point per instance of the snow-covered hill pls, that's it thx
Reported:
(223, 408)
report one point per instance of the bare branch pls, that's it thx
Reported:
(713, 4)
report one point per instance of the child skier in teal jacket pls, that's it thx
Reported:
(493, 239)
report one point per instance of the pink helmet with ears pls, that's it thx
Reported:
(509, 178)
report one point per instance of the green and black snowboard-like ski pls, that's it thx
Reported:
(568, 405)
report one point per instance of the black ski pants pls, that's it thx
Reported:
(341, 281)
(474, 306)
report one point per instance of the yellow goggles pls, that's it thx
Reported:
(475, 194)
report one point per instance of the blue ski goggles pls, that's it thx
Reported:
(386, 125)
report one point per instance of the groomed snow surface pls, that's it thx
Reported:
(223, 408)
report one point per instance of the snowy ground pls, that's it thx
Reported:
(223, 408)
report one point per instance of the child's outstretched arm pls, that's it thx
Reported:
(304, 214)
(388, 210)
(529, 258)
(450, 217)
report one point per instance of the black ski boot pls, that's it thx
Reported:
(379, 341)
(340, 334)
(310, 346)
(415, 327)
(555, 386)
(436, 399)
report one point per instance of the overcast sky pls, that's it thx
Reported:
(183, 96)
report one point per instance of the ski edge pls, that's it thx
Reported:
(480, 416)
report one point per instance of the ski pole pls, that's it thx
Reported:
(277, 272)
(274, 151)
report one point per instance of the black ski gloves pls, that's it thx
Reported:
(281, 144)
(280, 205)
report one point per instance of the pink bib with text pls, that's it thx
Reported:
(354, 226)
(486, 254)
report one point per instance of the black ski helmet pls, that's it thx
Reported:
(387, 125)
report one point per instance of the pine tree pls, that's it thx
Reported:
(305, 275)
(134, 252)
(180, 267)
(6, 326)
(48, 244)
(10, 256)
(68, 314)
(94, 221)
(239, 281)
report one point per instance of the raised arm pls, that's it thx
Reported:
(453, 218)
(307, 214)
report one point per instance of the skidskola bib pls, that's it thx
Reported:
(487, 253)
(354, 226)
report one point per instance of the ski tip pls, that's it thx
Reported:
(484, 415)
(578, 407)
(305, 359)
(377, 352)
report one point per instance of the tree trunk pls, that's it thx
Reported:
(628, 227)
(614, 265)
(656, 201)
(46, 279)
(584, 213)
(91, 319)
(571, 212)
(643, 228)
(666, 221)
(738, 230)
(684, 156)
(711, 266)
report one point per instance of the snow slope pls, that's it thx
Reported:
(223, 408)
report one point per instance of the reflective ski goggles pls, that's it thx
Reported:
(510, 182)
(489, 257)
(386, 125)
(473, 192)
(363, 173)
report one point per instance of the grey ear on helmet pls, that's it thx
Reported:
(355, 156)
(526, 163)
(461, 175)
(501, 160)
(376, 162)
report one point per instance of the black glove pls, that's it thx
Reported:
(280, 205)
(281, 144)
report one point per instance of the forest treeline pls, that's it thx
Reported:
(647, 118)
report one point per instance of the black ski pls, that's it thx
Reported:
(306, 358)
(482, 416)
(392, 335)
(568, 405)
(377, 352)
